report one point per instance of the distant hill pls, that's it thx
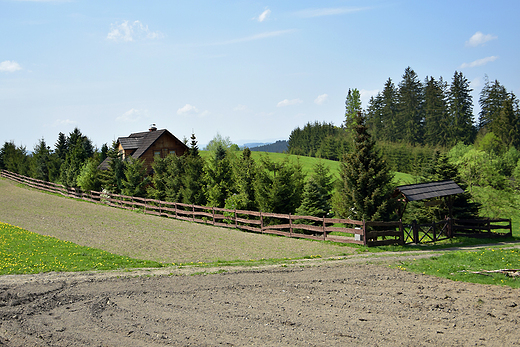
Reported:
(279, 146)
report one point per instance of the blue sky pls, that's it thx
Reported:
(250, 70)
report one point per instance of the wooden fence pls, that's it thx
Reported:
(316, 228)
(433, 232)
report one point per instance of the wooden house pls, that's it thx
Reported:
(147, 146)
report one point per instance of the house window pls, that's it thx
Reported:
(157, 153)
(172, 151)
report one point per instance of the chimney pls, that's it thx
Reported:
(152, 127)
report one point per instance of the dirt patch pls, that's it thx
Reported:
(333, 303)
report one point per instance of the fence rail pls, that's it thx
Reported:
(309, 227)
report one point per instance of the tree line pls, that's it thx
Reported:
(432, 113)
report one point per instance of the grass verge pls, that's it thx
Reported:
(470, 266)
(25, 252)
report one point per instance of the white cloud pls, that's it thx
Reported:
(319, 12)
(476, 82)
(264, 16)
(479, 39)
(288, 102)
(130, 31)
(479, 62)
(59, 122)
(365, 95)
(321, 99)
(9, 66)
(240, 107)
(186, 109)
(131, 115)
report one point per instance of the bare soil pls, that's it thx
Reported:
(320, 303)
(357, 300)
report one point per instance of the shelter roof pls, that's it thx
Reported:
(421, 191)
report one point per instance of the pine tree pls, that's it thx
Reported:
(364, 185)
(279, 186)
(218, 178)
(352, 107)
(317, 193)
(135, 181)
(506, 125)
(193, 180)
(492, 97)
(40, 168)
(410, 108)
(460, 106)
(244, 176)
(436, 126)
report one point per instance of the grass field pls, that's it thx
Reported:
(25, 252)
(468, 266)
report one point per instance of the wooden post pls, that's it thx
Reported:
(290, 225)
(401, 232)
(261, 223)
(324, 231)
(415, 229)
(192, 212)
(213, 213)
(175, 206)
(450, 227)
(365, 242)
(236, 222)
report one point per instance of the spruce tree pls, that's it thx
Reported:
(317, 193)
(410, 108)
(218, 178)
(460, 106)
(365, 180)
(492, 97)
(244, 176)
(41, 162)
(436, 125)
(192, 190)
(135, 181)
(352, 107)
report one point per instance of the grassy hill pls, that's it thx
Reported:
(308, 163)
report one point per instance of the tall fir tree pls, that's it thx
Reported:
(218, 178)
(352, 107)
(192, 190)
(317, 193)
(365, 181)
(460, 106)
(492, 97)
(244, 176)
(436, 125)
(410, 108)
(42, 161)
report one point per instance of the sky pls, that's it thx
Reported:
(249, 70)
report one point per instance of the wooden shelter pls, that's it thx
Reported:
(422, 191)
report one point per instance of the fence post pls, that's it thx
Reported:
(236, 222)
(175, 206)
(324, 231)
(261, 222)
(401, 232)
(365, 241)
(213, 213)
(290, 225)
(415, 232)
(192, 212)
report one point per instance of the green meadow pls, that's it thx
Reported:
(25, 252)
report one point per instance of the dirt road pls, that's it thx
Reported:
(318, 304)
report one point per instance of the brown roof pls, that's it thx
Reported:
(421, 191)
